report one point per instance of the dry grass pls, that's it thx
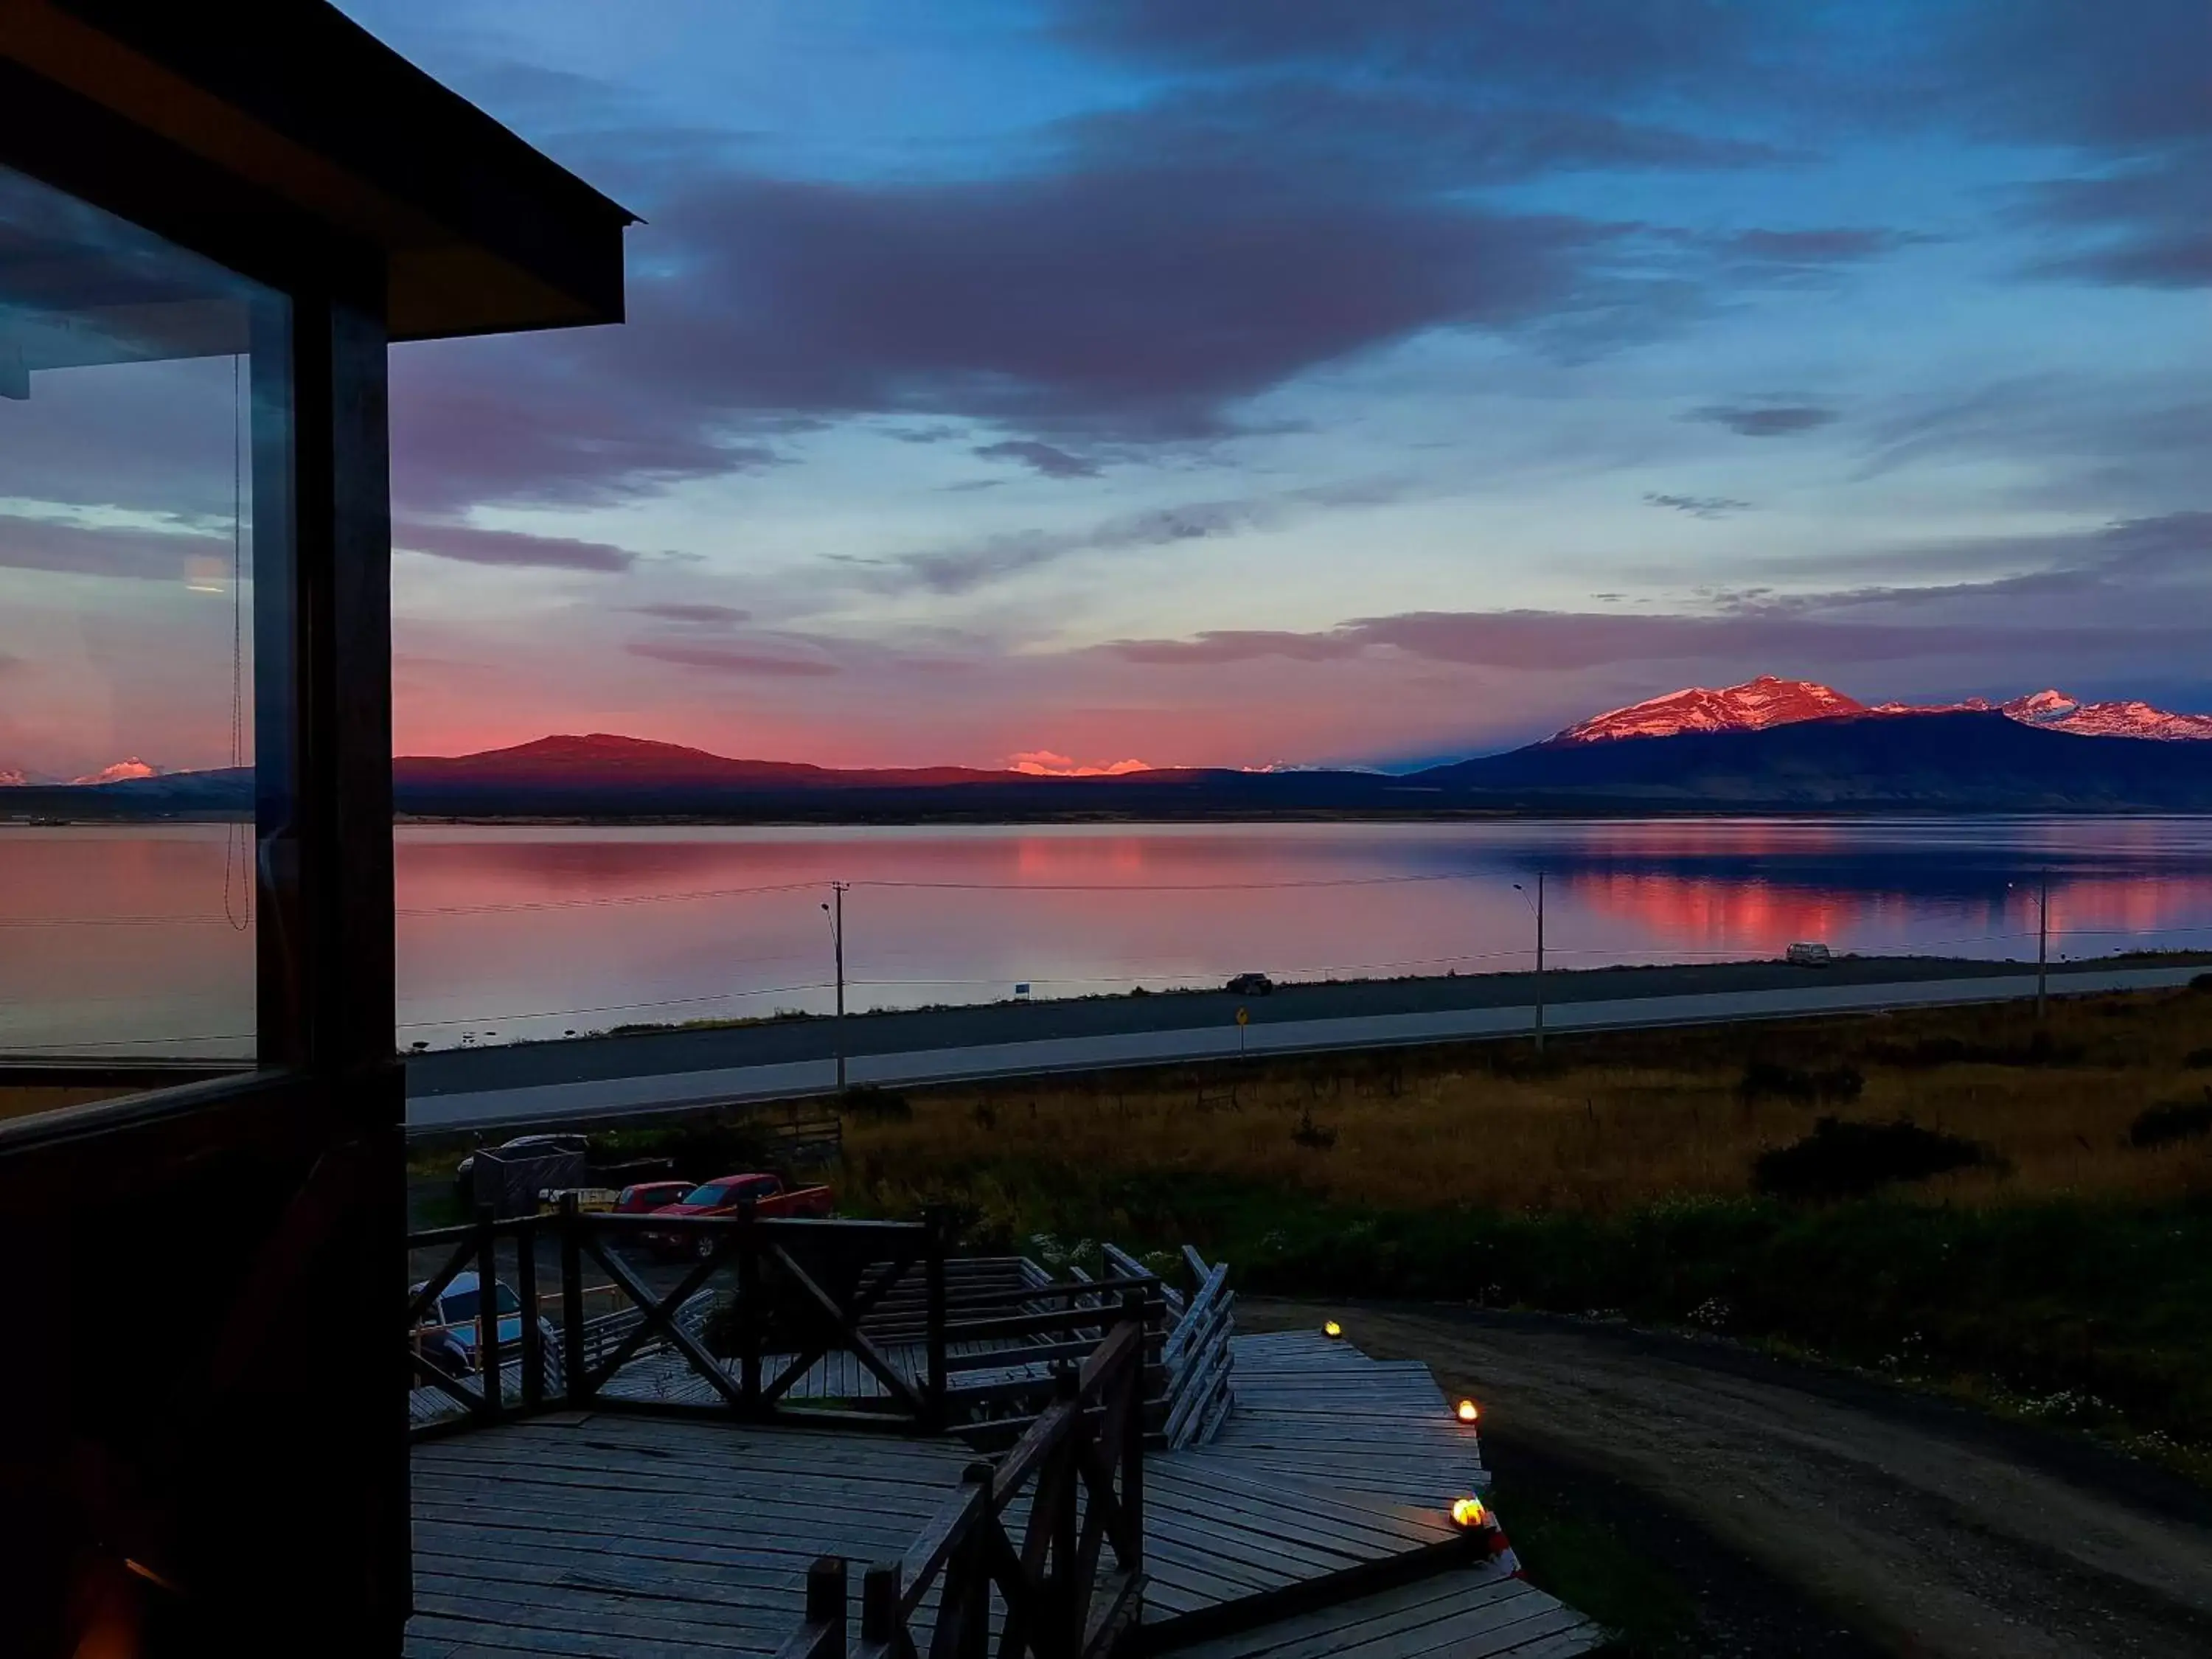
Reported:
(1609, 1124)
(17, 1101)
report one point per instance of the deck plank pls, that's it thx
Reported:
(599, 1535)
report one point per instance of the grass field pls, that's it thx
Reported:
(2063, 1271)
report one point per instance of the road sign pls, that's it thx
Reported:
(1243, 1016)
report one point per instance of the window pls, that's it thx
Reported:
(132, 403)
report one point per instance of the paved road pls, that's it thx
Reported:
(662, 1071)
(1924, 1528)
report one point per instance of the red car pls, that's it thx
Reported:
(648, 1196)
(767, 1193)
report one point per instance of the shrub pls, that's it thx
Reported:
(2161, 1126)
(1943, 1050)
(1847, 1160)
(868, 1103)
(1765, 1080)
(1312, 1135)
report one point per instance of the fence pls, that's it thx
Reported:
(860, 1321)
(1081, 1464)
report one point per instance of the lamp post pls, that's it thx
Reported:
(1539, 906)
(835, 911)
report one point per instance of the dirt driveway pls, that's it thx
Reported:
(1919, 1528)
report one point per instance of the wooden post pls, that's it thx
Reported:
(973, 1564)
(748, 1306)
(533, 1340)
(1132, 1441)
(1064, 1618)
(488, 1313)
(575, 1378)
(879, 1607)
(828, 1592)
(933, 1221)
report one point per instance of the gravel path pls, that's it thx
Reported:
(1921, 1528)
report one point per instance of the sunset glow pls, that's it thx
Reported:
(1504, 369)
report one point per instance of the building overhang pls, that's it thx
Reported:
(286, 114)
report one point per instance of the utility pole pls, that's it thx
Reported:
(836, 913)
(1523, 891)
(1540, 963)
(2042, 947)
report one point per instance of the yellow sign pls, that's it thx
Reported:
(1243, 1016)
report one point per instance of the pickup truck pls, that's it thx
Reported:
(767, 1195)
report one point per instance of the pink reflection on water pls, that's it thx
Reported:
(512, 932)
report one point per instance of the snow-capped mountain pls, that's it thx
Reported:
(122, 771)
(1769, 701)
(1751, 707)
(2129, 719)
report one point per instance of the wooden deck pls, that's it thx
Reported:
(1325, 1497)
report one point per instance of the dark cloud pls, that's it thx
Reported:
(1414, 135)
(470, 545)
(2145, 226)
(961, 568)
(2088, 442)
(563, 420)
(1556, 641)
(1700, 506)
(89, 549)
(2129, 76)
(1048, 460)
(731, 660)
(1596, 44)
(697, 615)
(1837, 246)
(1764, 420)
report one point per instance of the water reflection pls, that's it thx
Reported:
(508, 933)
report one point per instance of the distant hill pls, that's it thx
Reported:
(1871, 760)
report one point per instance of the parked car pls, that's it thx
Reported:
(465, 1171)
(767, 1194)
(1808, 956)
(447, 1333)
(648, 1196)
(1250, 985)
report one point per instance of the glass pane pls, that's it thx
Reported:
(128, 428)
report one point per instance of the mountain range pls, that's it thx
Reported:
(1769, 744)
(1755, 705)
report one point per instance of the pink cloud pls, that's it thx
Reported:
(1044, 764)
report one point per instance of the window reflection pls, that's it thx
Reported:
(128, 429)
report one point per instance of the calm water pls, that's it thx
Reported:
(118, 938)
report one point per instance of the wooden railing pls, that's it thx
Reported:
(1196, 1357)
(1080, 1467)
(942, 1342)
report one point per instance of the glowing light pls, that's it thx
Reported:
(1468, 1512)
(1332, 1330)
(1469, 1410)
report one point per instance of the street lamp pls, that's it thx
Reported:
(835, 911)
(1539, 908)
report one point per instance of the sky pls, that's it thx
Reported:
(1200, 382)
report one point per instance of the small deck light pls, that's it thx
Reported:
(1468, 1411)
(1468, 1512)
(1331, 1329)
